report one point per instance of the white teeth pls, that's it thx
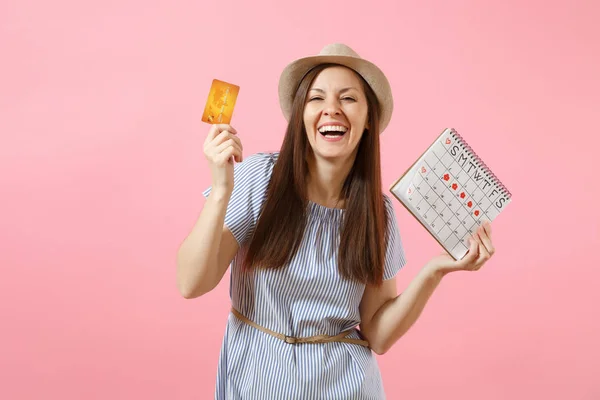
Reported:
(332, 128)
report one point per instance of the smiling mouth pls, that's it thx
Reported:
(333, 130)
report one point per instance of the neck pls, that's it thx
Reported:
(326, 180)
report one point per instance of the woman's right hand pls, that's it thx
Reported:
(221, 147)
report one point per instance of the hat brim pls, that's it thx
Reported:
(293, 73)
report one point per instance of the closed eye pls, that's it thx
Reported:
(320, 98)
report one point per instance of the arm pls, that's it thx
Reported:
(385, 317)
(204, 255)
(207, 251)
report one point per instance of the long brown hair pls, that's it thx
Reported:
(282, 221)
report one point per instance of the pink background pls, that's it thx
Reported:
(101, 173)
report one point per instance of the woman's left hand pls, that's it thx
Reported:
(480, 251)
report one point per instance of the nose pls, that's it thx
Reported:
(331, 107)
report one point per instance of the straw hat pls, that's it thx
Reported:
(336, 53)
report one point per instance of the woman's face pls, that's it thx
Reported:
(335, 113)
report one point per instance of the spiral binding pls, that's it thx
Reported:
(487, 171)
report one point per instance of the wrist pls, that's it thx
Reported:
(434, 271)
(220, 194)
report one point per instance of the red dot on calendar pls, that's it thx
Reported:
(476, 213)
(448, 141)
(454, 186)
(470, 204)
(446, 177)
(462, 195)
(423, 170)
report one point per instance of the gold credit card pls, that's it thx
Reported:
(220, 102)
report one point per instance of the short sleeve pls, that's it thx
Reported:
(250, 182)
(395, 258)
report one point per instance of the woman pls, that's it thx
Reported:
(313, 242)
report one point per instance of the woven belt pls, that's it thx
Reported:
(310, 339)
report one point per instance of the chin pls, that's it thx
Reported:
(331, 151)
(331, 154)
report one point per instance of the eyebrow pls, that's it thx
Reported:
(341, 91)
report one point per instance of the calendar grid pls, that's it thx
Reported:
(470, 212)
(460, 237)
(451, 192)
(452, 236)
(455, 236)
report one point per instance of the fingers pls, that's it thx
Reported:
(224, 136)
(480, 250)
(217, 137)
(485, 247)
(228, 153)
(485, 235)
(222, 143)
(227, 143)
(216, 129)
(230, 143)
(483, 256)
(487, 226)
(471, 255)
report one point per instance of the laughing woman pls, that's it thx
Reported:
(312, 241)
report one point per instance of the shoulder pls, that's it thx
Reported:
(387, 200)
(389, 205)
(390, 212)
(259, 161)
(255, 170)
(257, 164)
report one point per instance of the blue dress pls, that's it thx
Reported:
(305, 298)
